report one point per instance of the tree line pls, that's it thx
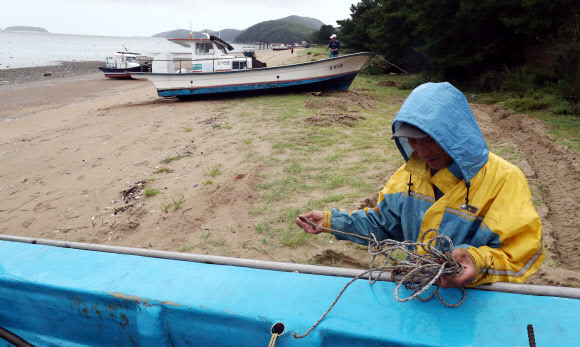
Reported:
(472, 42)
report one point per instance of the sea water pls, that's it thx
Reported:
(28, 49)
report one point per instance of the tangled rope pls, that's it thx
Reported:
(417, 272)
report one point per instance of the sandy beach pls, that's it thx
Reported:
(74, 145)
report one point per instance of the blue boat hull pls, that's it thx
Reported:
(330, 83)
(55, 296)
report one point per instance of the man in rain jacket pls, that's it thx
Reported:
(451, 183)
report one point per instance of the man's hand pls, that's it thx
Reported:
(468, 275)
(315, 217)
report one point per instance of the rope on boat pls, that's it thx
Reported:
(273, 340)
(419, 271)
(414, 76)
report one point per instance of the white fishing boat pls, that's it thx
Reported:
(280, 47)
(213, 71)
(120, 64)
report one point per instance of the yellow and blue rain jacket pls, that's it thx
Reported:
(486, 207)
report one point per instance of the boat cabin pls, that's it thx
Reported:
(122, 60)
(211, 55)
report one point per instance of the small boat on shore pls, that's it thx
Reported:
(280, 47)
(59, 293)
(213, 71)
(121, 64)
(249, 52)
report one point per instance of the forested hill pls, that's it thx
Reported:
(289, 29)
(226, 34)
(311, 23)
(278, 30)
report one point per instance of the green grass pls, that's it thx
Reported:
(561, 115)
(284, 188)
(148, 191)
(185, 248)
(565, 128)
(214, 170)
(170, 159)
(175, 203)
(219, 242)
(538, 192)
(163, 169)
(262, 228)
(178, 202)
(292, 237)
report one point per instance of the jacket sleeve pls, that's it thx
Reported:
(384, 221)
(520, 250)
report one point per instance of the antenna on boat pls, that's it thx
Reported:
(220, 29)
(190, 30)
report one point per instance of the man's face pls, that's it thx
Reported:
(333, 39)
(428, 150)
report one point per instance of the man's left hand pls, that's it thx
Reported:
(468, 275)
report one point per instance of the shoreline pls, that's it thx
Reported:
(65, 68)
(47, 72)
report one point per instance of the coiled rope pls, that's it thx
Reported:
(418, 271)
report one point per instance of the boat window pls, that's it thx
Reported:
(238, 65)
(204, 48)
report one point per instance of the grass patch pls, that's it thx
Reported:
(185, 248)
(175, 203)
(188, 129)
(170, 159)
(292, 237)
(283, 188)
(538, 192)
(262, 228)
(148, 191)
(163, 169)
(214, 170)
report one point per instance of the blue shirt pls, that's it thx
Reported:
(334, 45)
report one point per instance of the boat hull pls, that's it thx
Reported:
(323, 75)
(123, 73)
(72, 297)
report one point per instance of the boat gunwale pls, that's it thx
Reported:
(514, 288)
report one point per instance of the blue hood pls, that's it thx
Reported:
(442, 112)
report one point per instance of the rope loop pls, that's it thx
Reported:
(417, 272)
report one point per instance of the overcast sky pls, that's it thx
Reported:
(148, 17)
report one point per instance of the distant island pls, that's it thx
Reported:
(26, 28)
(290, 29)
